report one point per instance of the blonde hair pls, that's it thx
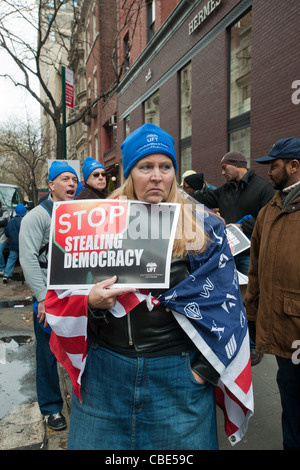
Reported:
(190, 234)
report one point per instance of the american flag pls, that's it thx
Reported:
(207, 305)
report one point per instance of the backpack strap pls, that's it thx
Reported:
(48, 206)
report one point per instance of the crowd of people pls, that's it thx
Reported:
(151, 379)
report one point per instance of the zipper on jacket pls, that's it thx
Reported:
(130, 340)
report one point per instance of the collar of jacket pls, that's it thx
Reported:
(247, 176)
(243, 181)
(101, 194)
(292, 207)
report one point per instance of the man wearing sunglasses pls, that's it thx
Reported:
(94, 176)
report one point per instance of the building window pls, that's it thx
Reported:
(151, 109)
(94, 25)
(185, 143)
(90, 148)
(126, 52)
(240, 66)
(185, 160)
(150, 19)
(96, 157)
(186, 102)
(87, 37)
(240, 141)
(127, 126)
(95, 82)
(240, 85)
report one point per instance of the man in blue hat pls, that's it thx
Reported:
(94, 176)
(33, 252)
(273, 293)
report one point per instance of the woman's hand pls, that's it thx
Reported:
(198, 378)
(103, 296)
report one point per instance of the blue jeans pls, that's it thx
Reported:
(10, 263)
(47, 379)
(142, 403)
(242, 263)
(2, 259)
(288, 380)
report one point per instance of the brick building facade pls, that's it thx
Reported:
(217, 75)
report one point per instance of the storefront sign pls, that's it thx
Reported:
(203, 14)
(93, 240)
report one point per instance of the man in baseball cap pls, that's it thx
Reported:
(282, 158)
(272, 299)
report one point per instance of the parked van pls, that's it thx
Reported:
(11, 196)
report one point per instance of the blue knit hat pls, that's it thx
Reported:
(89, 165)
(144, 141)
(20, 209)
(59, 167)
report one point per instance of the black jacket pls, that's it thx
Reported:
(89, 192)
(12, 232)
(149, 333)
(236, 199)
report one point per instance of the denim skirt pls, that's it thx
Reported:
(142, 403)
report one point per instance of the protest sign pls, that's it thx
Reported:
(237, 240)
(92, 240)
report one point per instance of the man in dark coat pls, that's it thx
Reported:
(94, 176)
(242, 197)
(239, 201)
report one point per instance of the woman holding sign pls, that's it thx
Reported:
(152, 377)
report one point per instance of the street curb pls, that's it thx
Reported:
(23, 429)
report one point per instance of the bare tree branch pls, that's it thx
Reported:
(32, 56)
(23, 156)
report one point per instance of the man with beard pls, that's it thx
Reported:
(273, 292)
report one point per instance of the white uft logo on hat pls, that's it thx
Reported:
(152, 137)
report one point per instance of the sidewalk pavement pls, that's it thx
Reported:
(23, 428)
(21, 424)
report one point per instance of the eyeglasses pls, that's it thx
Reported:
(96, 175)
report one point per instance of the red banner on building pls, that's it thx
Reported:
(69, 88)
